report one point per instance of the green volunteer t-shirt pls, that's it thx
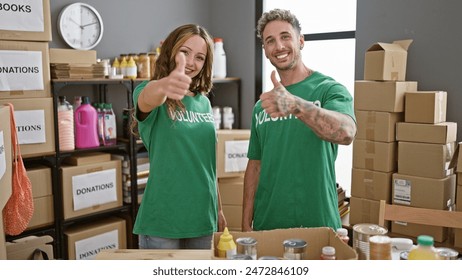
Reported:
(180, 199)
(297, 185)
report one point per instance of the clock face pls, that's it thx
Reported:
(81, 26)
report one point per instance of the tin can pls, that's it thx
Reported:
(294, 249)
(268, 258)
(247, 246)
(380, 247)
(241, 257)
(361, 235)
(447, 253)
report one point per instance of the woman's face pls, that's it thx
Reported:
(195, 51)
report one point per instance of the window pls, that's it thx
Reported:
(329, 29)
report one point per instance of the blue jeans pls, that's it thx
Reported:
(154, 242)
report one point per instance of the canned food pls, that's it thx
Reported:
(241, 257)
(447, 253)
(361, 235)
(380, 247)
(268, 258)
(247, 246)
(294, 249)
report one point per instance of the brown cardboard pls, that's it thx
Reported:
(43, 212)
(87, 158)
(370, 184)
(90, 230)
(459, 195)
(41, 180)
(231, 193)
(72, 56)
(5, 155)
(364, 211)
(458, 238)
(423, 192)
(25, 35)
(373, 155)
(269, 242)
(377, 126)
(2, 239)
(425, 159)
(23, 248)
(439, 234)
(440, 133)
(41, 47)
(386, 62)
(381, 96)
(225, 135)
(41, 104)
(233, 215)
(67, 172)
(425, 106)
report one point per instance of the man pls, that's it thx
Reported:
(296, 129)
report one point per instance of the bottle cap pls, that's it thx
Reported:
(217, 39)
(328, 250)
(425, 240)
(342, 231)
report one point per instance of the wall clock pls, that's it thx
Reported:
(81, 26)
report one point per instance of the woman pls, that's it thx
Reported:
(181, 206)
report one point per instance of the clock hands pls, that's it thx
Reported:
(88, 24)
(81, 27)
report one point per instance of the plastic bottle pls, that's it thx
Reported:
(343, 235)
(228, 118)
(100, 111)
(65, 125)
(86, 133)
(116, 66)
(130, 70)
(219, 59)
(123, 67)
(110, 129)
(424, 249)
(328, 253)
(226, 247)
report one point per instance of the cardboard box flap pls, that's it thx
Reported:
(404, 43)
(385, 47)
(27, 242)
(456, 159)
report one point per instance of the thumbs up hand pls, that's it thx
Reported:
(177, 82)
(277, 102)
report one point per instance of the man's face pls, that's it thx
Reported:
(282, 44)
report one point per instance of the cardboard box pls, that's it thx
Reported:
(440, 133)
(2, 239)
(233, 215)
(29, 70)
(373, 155)
(386, 62)
(72, 56)
(23, 248)
(43, 212)
(6, 164)
(269, 242)
(232, 152)
(425, 106)
(85, 241)
(425, 160)
(32, 25)
(459, 195)
(35, 126)
(370, 184)
(365, 211)
(439, 234)
(231, 193)
(458, 238)
(381, 96)
(87, 158)
(91, 188)
(424, 192)
(377, 126)
(41, 180)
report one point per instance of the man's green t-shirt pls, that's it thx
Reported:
(297, 185)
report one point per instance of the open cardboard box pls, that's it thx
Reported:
(269, 242)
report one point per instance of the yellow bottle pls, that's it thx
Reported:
(226, 247)
(131, 69)
(116, 65)
(424, 249)
(123, 67)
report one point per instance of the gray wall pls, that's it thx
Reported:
(139, 25)
(434, 57)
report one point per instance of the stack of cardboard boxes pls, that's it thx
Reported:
(5, 170)
(231, 164)
(457, 159)
(379, 105)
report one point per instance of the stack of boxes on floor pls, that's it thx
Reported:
(426, 144)
(231, 163)
(25, 31)
(379, 105)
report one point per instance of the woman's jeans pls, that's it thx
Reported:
(154, 242)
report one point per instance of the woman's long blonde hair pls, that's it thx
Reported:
(165, 63)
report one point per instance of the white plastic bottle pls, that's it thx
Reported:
(219, 59)
(65, 125)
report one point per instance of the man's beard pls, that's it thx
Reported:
(288, 67)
